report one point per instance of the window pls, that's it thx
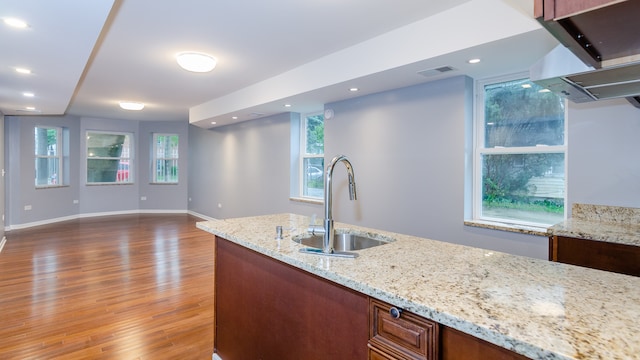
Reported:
(165, 158)
(312, 156)
(520, 154)
(48, 152)
(109, 158)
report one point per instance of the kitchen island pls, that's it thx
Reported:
(537, 308)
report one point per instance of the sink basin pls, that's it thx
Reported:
(343, 242)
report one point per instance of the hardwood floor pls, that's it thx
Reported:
(114, 287)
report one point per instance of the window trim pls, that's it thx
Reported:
(303, 155)
(59, 156)
(130, 158)
(479, 151)
(155, 158)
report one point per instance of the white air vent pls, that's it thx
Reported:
(436, 71)
(256, 114)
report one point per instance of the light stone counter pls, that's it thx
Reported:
(537, 308)
(602, 223)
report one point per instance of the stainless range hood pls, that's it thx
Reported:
(600, 53)
(563, 73)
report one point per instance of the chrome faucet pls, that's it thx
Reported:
(329, 231)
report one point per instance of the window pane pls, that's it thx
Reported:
(521, 113)
(108, 158)
(524, 187)
(102, 170)
(167, 146)
(106, 145)
(47, 170)
(313, 177)
(46, 141)
(314, 127)
(167, 171)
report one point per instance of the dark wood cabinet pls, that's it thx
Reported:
(620, 258)
(401, 336)
(457, 345)
(266, 309)
(557, 9)
(599, 32)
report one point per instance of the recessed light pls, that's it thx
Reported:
(287, 105)
(234, 117)
(30, 108)
(196, 62)
(473, 61)
(16, 23)
(23, 71)
(134, 106)
(28, 94)
(354, 89)
(213, 123)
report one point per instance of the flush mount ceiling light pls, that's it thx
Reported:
(16, 23)
(473, 61)
(23, 71)
(196, 62)
(134, 106)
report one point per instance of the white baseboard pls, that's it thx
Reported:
(79, 216)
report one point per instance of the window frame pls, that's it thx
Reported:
(479, 150)
(60, 157)
(304, 155)
(155, 159)
(129, 158)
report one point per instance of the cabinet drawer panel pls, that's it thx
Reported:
(410, 335)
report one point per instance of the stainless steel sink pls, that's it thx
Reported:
(342, 243)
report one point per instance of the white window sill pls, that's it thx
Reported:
(307, 200)
(530, 230)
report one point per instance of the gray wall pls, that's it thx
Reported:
(411, 151)
(53, 204)
(244, 168)
(604, 153)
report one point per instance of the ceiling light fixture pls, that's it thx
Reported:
(473, 61)
(354, 89)
(28, 94)
(134, 106)
(287, 105)
(16, 23)
(23, 71)
(196, 62)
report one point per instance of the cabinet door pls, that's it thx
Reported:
(408, 336)
(266, 309)
(620, 258)
(460, 346)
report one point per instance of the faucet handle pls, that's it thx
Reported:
(315, 229)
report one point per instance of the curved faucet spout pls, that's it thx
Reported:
(328, 217)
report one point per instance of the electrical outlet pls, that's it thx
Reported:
(75, 201)
(143, 198)
(219, 206)
(27, 207)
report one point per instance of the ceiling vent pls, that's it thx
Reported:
(436, 71)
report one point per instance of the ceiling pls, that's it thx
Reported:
(86, 56)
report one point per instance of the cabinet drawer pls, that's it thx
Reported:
(407, 337)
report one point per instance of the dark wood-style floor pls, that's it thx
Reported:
(114, 287)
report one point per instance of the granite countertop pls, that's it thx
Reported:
(537, 308)
(601, 223)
